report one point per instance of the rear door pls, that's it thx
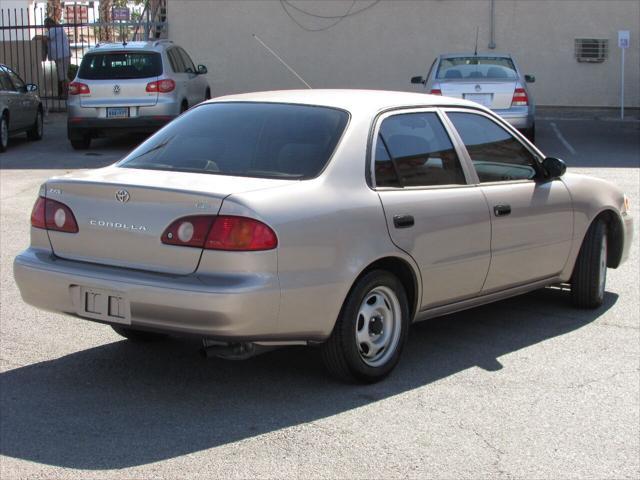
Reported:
(433, 213)
(119, 78)
(531, 217)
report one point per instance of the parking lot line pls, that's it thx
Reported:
(563, 140)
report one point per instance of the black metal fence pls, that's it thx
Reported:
(24, 43)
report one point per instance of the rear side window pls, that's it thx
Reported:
(186, 60)
(414, 150)
(120, 65)
(177, 65)
(268, 140)
(495, 153)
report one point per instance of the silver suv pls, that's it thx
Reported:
(136, 86)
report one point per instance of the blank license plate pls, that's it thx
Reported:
(105, 305)
(117, 112)
(481, 98)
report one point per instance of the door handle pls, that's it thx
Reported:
(502, 210)
(403, 221)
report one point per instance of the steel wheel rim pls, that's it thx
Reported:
(378, 326)
(602, 266)
(4, 132)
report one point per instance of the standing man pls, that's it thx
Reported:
(59, 52)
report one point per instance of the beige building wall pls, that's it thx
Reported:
(384, 45)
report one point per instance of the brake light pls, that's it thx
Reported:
(520, 98)
(52, 215)
(162, 86)
(223, 232)
(436, 91)
(77, 88)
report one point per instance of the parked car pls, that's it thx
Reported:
(324, 217)
(20, 108)
(492, 80)
(135, 86)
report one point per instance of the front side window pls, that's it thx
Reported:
(414, 150)
(495, 153)
(476, 68)
(186, 60)
(120, 65)
(17, 81)
(268, 140)
(5, 82)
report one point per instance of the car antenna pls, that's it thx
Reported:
(281, 60)
(475, 52)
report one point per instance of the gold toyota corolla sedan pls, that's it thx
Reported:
(323, 217)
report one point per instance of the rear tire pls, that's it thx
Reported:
(184, 106)
(207, 94)
(136, 335)
(80, 141)
(530, 133)
(590, 272)
(371, 330)
(35, 132)
(4, 133)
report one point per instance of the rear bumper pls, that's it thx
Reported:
(240, 308)
(521, 118)
(80, 124)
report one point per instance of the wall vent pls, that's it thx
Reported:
(592, 50)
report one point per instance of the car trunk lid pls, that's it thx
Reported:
(116, 93)
(496, 95)
(122, 213)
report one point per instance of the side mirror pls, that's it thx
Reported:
(554, 167)
(418, 79)
(202, 70)
(530, 78)
(32, 87)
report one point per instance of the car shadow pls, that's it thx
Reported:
(123, 404)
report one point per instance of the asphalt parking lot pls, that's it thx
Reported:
(527, 387)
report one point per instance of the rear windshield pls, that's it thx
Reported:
(474, 68)
(120, 65)
(268, 140)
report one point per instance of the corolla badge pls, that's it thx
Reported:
(117, 225)
(122, 196)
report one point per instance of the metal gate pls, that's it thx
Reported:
(25, 40)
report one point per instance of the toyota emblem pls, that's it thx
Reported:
(116, 89)
(122, 196)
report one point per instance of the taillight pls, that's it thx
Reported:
(77, 88)
(163, 86)
(435, 91)
(519, 98)
(188, 231)
(53, 215)
(223, 232)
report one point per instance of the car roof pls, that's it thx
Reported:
(347, 99)
(156, 45)
(473, 54)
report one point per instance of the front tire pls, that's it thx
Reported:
(370, 332)
(35, 132)
(136, 335)
(4, 133)
(590, 272)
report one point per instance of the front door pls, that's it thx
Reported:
(432, 211)
(531, 217)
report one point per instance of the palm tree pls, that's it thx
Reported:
(104, 12)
